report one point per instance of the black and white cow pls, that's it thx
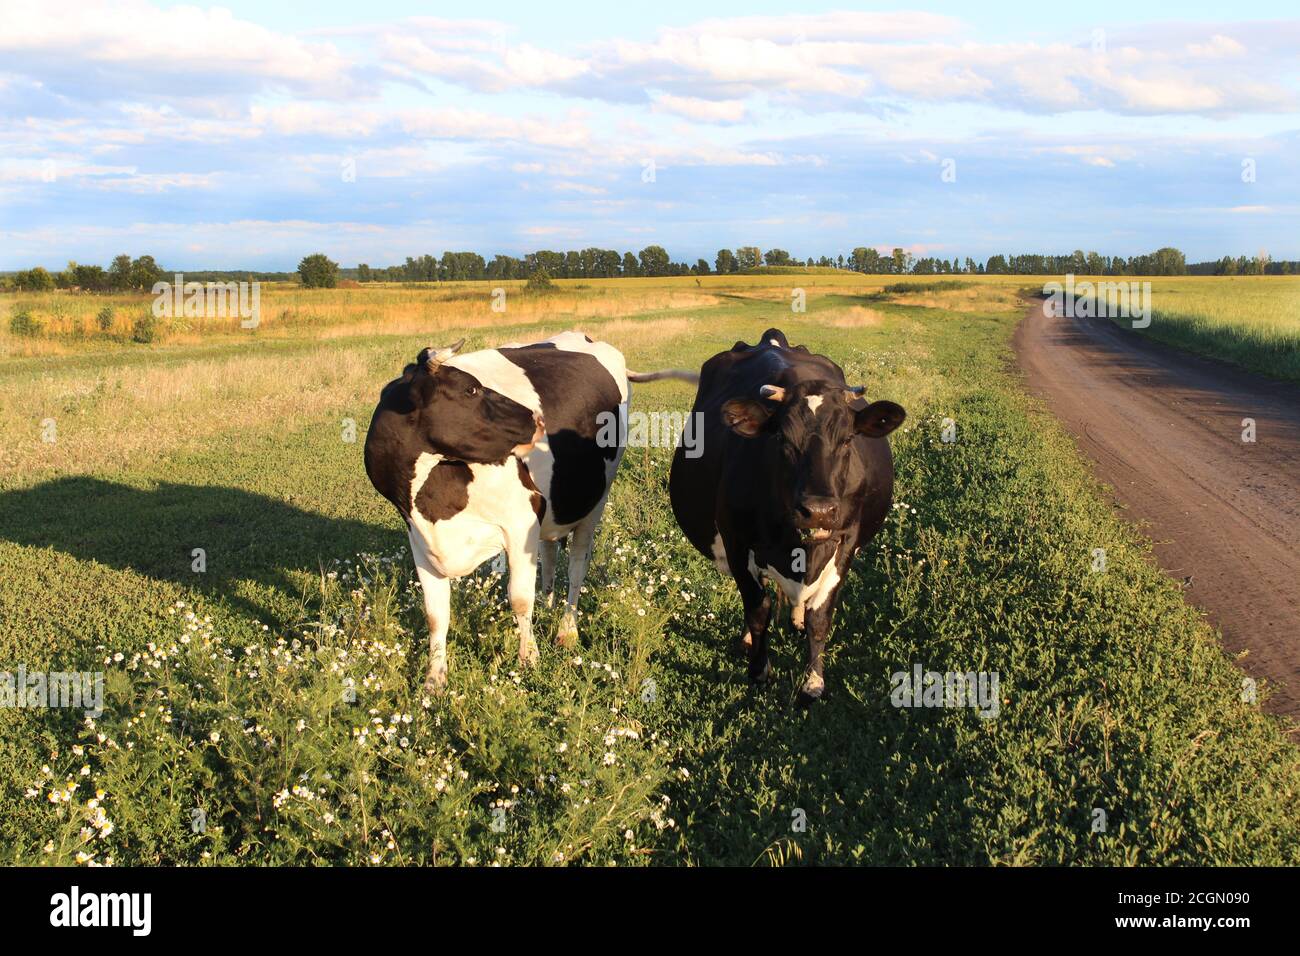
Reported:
(503, 449)
(794, 477)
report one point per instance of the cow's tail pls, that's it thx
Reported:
(680, 374)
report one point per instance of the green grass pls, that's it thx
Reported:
(1249, 321)
(936, 285)
(653, 749)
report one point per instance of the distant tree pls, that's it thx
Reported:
(37, 279)
(630, 267)
(68, 277)
(749, 257)
(655, 261)
(608, 263)
(702, 267)
(90, 278)
(776, 257)
(363, 273)
(119, 272)
(145, 272)
(725, 261)
(318, 271)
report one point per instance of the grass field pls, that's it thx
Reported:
(1250, 321)
(266, 710)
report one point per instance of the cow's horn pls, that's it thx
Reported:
(774, 392)
(437, 356)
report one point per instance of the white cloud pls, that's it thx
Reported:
(95, 49)
(844, 60)
(691, 107)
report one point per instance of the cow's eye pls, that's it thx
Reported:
(472, 390)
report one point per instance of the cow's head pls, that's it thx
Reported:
(435, 407)
(811, 430)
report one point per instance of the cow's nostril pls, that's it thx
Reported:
(820, 510)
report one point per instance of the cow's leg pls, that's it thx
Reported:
(548, 551)
(818, 622)
(580, 545)
(757, 603)
(770, 609)
(521, 553)
(437, 611)
(758, 612)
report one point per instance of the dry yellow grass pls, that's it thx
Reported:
(108, 418)
(850, 317)
(69, 323)
(983, 297)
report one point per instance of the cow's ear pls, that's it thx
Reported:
(879, 419)
(744, 416)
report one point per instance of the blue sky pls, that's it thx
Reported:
(250, 134)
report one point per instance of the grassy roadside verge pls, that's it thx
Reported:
(1116, 696)
(1273, 352)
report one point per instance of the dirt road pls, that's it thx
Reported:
(1165, 431)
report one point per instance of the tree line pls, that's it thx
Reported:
(654, 260)
(125, 274)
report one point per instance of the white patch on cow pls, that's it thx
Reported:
(800, 594)
(495, 371)
(720, 555)
(604, 353)
(423, 465)
(540, 462)
(814, 403)
(774, 342)
(498, 501)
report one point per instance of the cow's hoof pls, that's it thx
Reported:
(567, 636)
(761, 675)
(528, 655)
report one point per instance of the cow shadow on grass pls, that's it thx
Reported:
(251, 542)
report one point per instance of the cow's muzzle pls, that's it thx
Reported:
(817, 517)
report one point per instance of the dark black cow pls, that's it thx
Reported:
(500, 450)
(794, 477)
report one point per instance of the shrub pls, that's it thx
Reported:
(22, 322)
(539, 281)
(937, 285)
(145, 329)
(105, 319)
(318, 271)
